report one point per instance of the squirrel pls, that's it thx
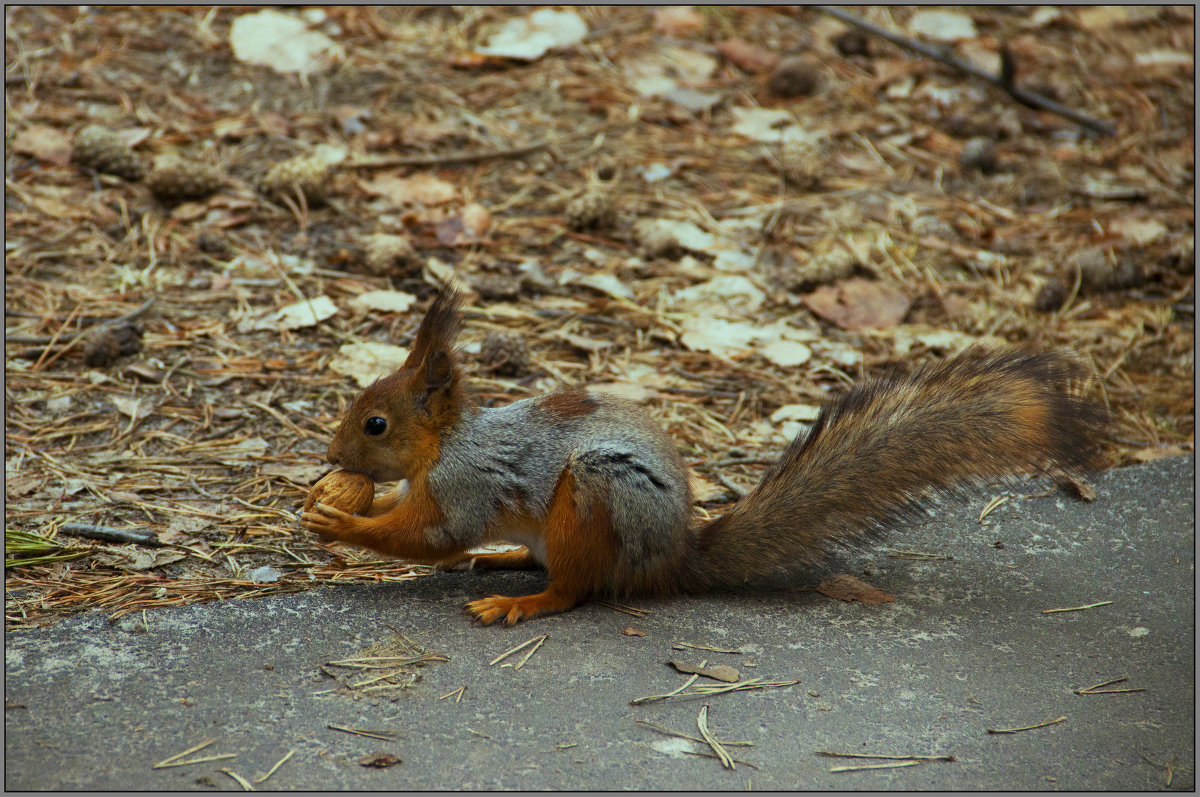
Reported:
(595, 490)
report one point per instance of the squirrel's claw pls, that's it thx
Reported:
(325, 520)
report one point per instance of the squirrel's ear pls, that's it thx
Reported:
(439, 371)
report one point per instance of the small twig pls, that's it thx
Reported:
(993, 505)
(641, 614)
(174, 761)
(682, 645)
(918, 555)
(278, 764)
(387, 736)
(1076, 608)
(670, 732)
(1002, 81)
(702, 754)
(521, 646)
(457, 693)
(637, 701)
(862, 767)
(245, 784)
(702, 724)
(1028, 727)
(831, 754)
(738, 492)
(109, 534)
(521, 663)
(1098, 690)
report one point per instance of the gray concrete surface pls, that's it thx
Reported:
(964, 647)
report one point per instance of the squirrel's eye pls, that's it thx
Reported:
(375, 426)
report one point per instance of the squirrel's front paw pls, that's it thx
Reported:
(330, 523)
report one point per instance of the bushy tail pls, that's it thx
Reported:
(876, 454)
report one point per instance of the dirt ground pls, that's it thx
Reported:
(724, 213)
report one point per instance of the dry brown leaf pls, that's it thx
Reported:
(747, 56)
(845, 587)
(857, 304)
(44, 143)
(678, 21)
(631, 631)
(718, 672)
(1159, 452)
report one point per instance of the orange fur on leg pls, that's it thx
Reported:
(581, 551)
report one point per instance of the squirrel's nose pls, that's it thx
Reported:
(331, 456)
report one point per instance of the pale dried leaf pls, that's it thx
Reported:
(301, 314)
(807, 413)
(530, 38)
(787, 353)
(943, 26)
(282, 42)
(384, 301)
(366, 362)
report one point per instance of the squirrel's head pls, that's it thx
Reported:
(393, 428)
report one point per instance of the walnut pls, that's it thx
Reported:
(341, 489)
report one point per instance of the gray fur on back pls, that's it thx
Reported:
(511, 459)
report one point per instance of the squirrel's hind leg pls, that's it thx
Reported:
(581, 552)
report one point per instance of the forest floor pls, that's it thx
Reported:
(724, 213)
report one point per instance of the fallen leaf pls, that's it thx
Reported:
(420, 189)
(732, 296)
(265, 575)
(1139, 231)
(530, 38)
(857, 304)
(678, 21)
(796, 412)
(299, 474)
(132, 407)
(136, 559)
(605, 283)
(768, 125)
(45, 143)
(722, 338)
(1158, 452)
(943, 26)
(787, 353)
(282, 42)
(658, 73)
(718, 672)
(630, 391)
(1164, 57)
(384, 301)
(747, 56)
(631, 631)
(301, 314)
(379, 760)
(366, 362)
(845, 587)
(1100, 17)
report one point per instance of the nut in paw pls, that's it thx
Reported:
(341, 489)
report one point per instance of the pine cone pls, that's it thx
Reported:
(307, 173)
(593, 210)
(504, 353)
(182, 179)
(97, 147)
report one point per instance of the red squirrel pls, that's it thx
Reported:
(597, 493)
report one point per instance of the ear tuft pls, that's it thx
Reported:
(439, 328)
